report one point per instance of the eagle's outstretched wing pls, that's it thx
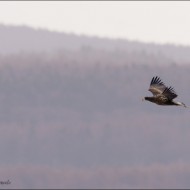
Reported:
(169, 93)
(157, 87)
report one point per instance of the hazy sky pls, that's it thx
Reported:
(156, 21)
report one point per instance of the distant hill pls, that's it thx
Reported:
(71, 114)
(16, 39)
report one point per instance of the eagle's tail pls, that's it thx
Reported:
(182, 104)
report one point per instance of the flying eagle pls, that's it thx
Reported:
(162, 95)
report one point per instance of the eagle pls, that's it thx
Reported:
(162, 95)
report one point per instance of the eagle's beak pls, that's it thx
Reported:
(143, 99)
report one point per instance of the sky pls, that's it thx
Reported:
(147, 21)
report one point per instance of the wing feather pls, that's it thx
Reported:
(157, 86)
(169, 93)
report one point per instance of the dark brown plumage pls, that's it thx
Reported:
(162, 95)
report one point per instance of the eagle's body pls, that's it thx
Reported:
(162, 95)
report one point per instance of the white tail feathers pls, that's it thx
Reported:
(181, 104)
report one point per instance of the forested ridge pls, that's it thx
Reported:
(72, 106)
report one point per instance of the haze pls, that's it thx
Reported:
(71, 114)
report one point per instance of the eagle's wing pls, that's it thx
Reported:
(157, 86)
(169, 93)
